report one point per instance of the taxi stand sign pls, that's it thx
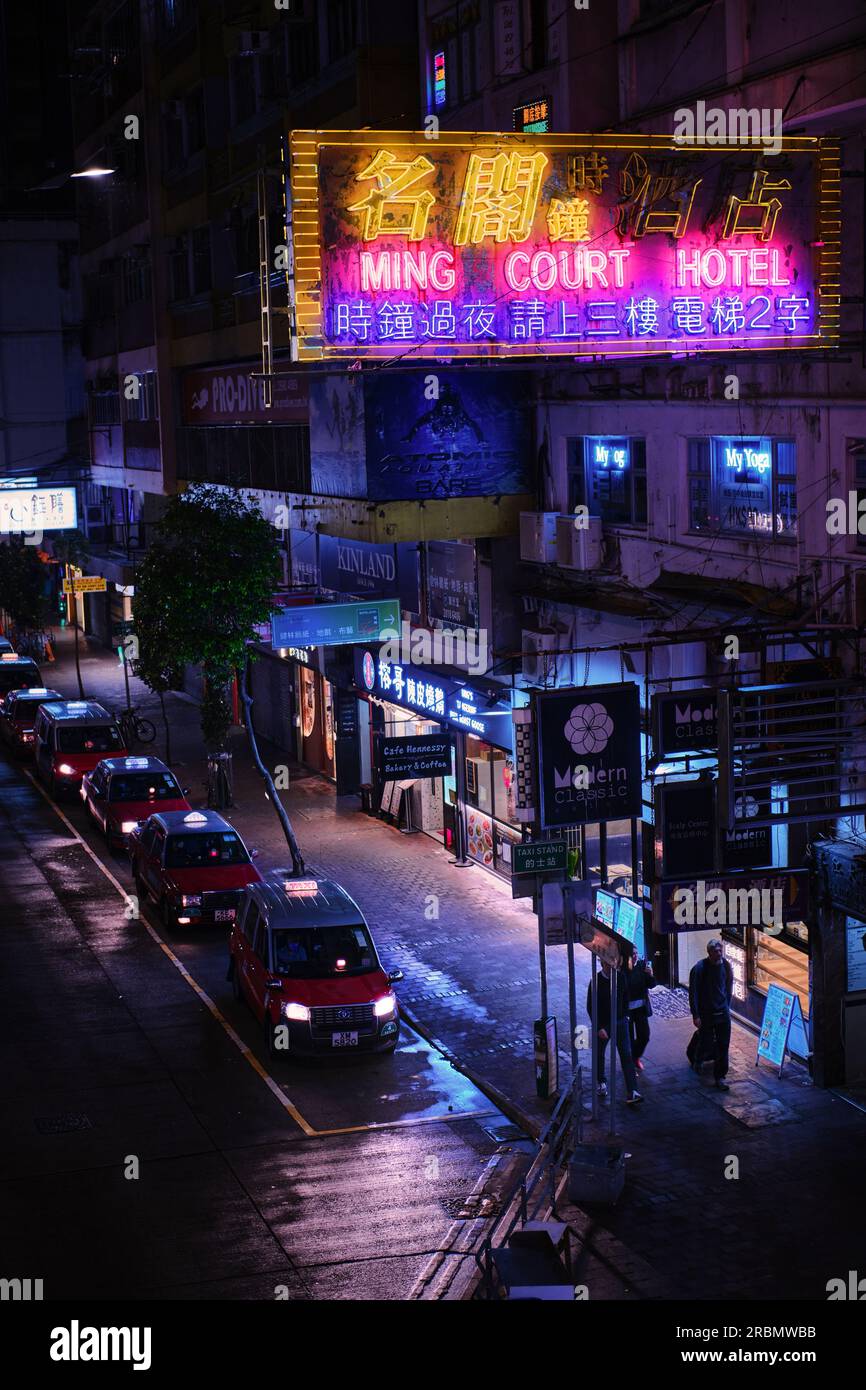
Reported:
(85, 584)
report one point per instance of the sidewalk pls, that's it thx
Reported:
(786, 1224)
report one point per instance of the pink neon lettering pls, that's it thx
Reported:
(619, 258)
(568, 259)
(594, 262)
(511, 272)
(542, 270)
(442, 279)
(375, 270)
(721, 268)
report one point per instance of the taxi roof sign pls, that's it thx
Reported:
(195, 818)
(301, 885)
(136, 762)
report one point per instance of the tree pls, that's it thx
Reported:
(24, 581)
(204, 585)
(71, 549)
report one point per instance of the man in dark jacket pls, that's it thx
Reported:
(639, 980)
(711, 987)
(623, 1040)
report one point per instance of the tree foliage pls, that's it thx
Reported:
(24, 585)
(203, 586)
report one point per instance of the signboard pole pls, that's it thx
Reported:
(460, 861)
(594, 1039)
(568, 909)
(612, 1040)
(542, 956)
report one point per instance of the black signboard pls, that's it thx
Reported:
(685, 820)
(684, 721)
(452, 589)
(748, 846)
(589, 754)
(347, 714)
(423, 755)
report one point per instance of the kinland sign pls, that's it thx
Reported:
(589, 754)
(538, 244)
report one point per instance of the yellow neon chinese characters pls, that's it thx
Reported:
(568, 220)
(764, 213)
(390, 208)
(500, 196)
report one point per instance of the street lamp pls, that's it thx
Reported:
(94, 171)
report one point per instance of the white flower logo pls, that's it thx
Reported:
(588, 729)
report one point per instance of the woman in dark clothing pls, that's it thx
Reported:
(618, 1028)
(640, 980)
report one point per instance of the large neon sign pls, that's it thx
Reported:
(482, 245)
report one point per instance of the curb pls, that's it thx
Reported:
(520, 1117)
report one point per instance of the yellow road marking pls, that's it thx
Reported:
(245, 1051)
(178, 964)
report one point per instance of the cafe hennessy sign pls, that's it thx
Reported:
(426, 755)
(540, 244)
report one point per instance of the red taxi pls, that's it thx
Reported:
(301, 955)
(120, 793)
(72, 736)
(193, 864)
(17, 672)
(18, 716)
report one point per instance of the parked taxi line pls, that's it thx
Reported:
(178, 964)
(245, 1051)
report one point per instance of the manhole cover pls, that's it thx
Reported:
(62, 1124)
(504, 1133)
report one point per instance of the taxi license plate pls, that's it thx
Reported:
(344, 1039)
(224, 914)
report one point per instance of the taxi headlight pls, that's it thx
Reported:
(65, 770)
(299, 1012)
(385, 1006)
(127, 827)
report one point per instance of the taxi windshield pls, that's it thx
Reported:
(200, 851)
(89, 738)
(24, 711)
(17, 675)
(144, 786)
(323, 953)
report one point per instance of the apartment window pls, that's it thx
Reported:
(609, 477)
(303, 41)
(135, 279)
(857, 474)
(244, 88)
(201, 263)
(538, 32)
(179, 262)
(341, 28)
(453, 55)
(103, 407)
(145, 406)
(743, 486)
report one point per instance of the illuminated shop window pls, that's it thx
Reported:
(743, 486)
(609, 477)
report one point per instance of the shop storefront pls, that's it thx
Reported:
(759, 958)
(293, 706)
(471, 811)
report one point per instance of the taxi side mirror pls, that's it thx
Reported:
(254, 854)
(395, 976)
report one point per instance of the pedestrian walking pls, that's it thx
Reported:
(619, 1027)
(639, 980)
(711, 987)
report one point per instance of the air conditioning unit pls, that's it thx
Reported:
(578, 548)
(542, 663)
(254, 41)
(538, 537)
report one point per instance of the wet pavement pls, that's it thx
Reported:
(148, 1057)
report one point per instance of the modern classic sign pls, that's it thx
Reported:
(589, 754)
(522, 244)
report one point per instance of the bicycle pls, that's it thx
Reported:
(134, 728)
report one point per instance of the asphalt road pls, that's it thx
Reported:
(151, 1148)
